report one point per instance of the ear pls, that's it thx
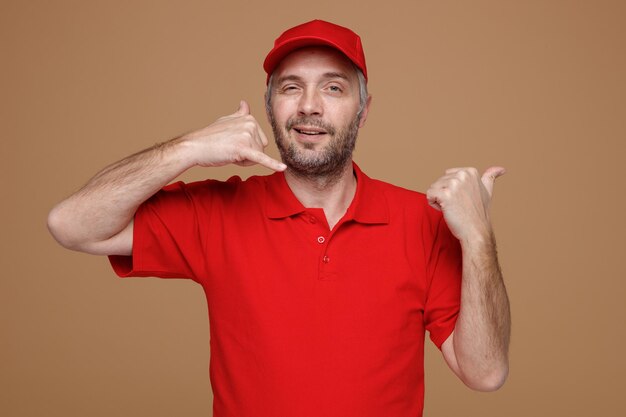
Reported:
(365, 111)
(267, 110)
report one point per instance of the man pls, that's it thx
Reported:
(320, 281)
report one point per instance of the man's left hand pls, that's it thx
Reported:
(464, 197)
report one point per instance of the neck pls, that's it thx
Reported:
(331, 193)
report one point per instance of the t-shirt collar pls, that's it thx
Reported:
(368, 206)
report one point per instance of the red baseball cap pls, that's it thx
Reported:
(316, 32)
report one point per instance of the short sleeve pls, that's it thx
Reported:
(166, 237)
(444, 291)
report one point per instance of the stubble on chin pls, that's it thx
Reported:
(325, 165)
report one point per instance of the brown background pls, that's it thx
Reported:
(536, 86)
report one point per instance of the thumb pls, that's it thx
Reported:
(489, 177)
(243, 109)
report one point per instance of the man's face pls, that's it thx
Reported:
(313, 111)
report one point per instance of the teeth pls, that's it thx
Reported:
(309, 132)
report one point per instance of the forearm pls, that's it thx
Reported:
(482, 331)
(107, 203)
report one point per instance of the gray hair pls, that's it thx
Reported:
(363, 94)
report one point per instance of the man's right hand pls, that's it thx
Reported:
(98, 218)
(233, 139)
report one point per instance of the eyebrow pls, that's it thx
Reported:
(336, 75)
(326, 75)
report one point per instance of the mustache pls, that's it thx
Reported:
(310, 121)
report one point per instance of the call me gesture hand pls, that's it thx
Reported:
(233, 139)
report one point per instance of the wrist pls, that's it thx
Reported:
(482, 240)
(183, 151)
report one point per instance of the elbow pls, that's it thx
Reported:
(490, 381)
(69, 232)
(58, 227)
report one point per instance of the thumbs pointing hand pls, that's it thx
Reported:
(464, 197)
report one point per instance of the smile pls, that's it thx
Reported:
(309, 131)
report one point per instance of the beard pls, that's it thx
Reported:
(324, 165)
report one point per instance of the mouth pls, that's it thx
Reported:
(309, 131)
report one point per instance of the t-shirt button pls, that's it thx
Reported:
(325, 259)
(321, 239)
(312, 219)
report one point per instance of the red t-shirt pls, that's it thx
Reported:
(305, 321)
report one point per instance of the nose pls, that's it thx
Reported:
(310, 103)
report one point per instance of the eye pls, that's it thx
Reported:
(335, 88)
(289, 88)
